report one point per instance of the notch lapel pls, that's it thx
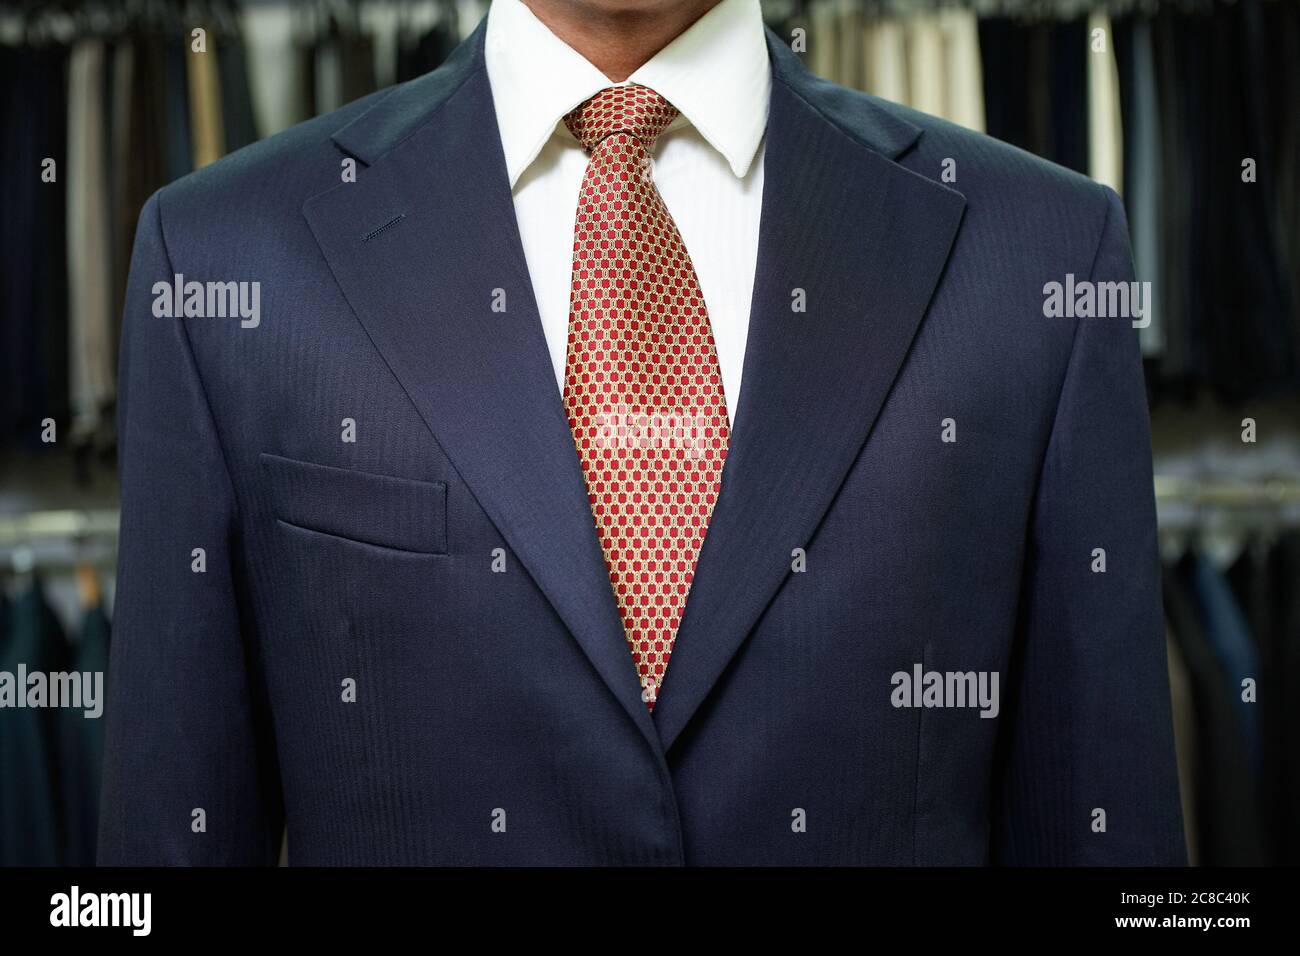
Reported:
(419, 244)
(867, 241)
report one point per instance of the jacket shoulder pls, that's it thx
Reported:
(983, 164)
(926, 143)
(1016, 202)
(266, 179)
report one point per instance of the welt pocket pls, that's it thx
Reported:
(382, 510)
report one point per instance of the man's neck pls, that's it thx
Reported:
(618, 36)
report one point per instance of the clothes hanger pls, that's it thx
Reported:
(89, 594)
(1174, 543)
(1222, 542)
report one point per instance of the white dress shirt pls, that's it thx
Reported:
(708, 165)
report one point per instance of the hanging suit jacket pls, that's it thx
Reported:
(31, 814)
(405, 647)
(81, 744)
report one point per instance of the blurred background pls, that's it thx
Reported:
(1189, 108)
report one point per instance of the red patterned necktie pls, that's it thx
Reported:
(642, 386)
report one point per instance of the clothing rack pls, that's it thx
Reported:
(1024, 9)
(39, 534)
(173, 9)
(1232, 504)
(1228, 492)
(59, 539)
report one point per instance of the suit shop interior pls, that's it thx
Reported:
(1155, 99)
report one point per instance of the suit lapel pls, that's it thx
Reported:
(866, 240)
(419, 244)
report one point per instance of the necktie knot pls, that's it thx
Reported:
(636, 110)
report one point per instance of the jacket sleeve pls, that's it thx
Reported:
(1087, 773)
(188, 777)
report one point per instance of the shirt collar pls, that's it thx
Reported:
(716, 74)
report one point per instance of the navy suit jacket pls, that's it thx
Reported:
(497, 717)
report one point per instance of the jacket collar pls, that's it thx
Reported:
(716, 74)
(874, 124)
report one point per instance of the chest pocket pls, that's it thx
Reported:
(380, 510)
